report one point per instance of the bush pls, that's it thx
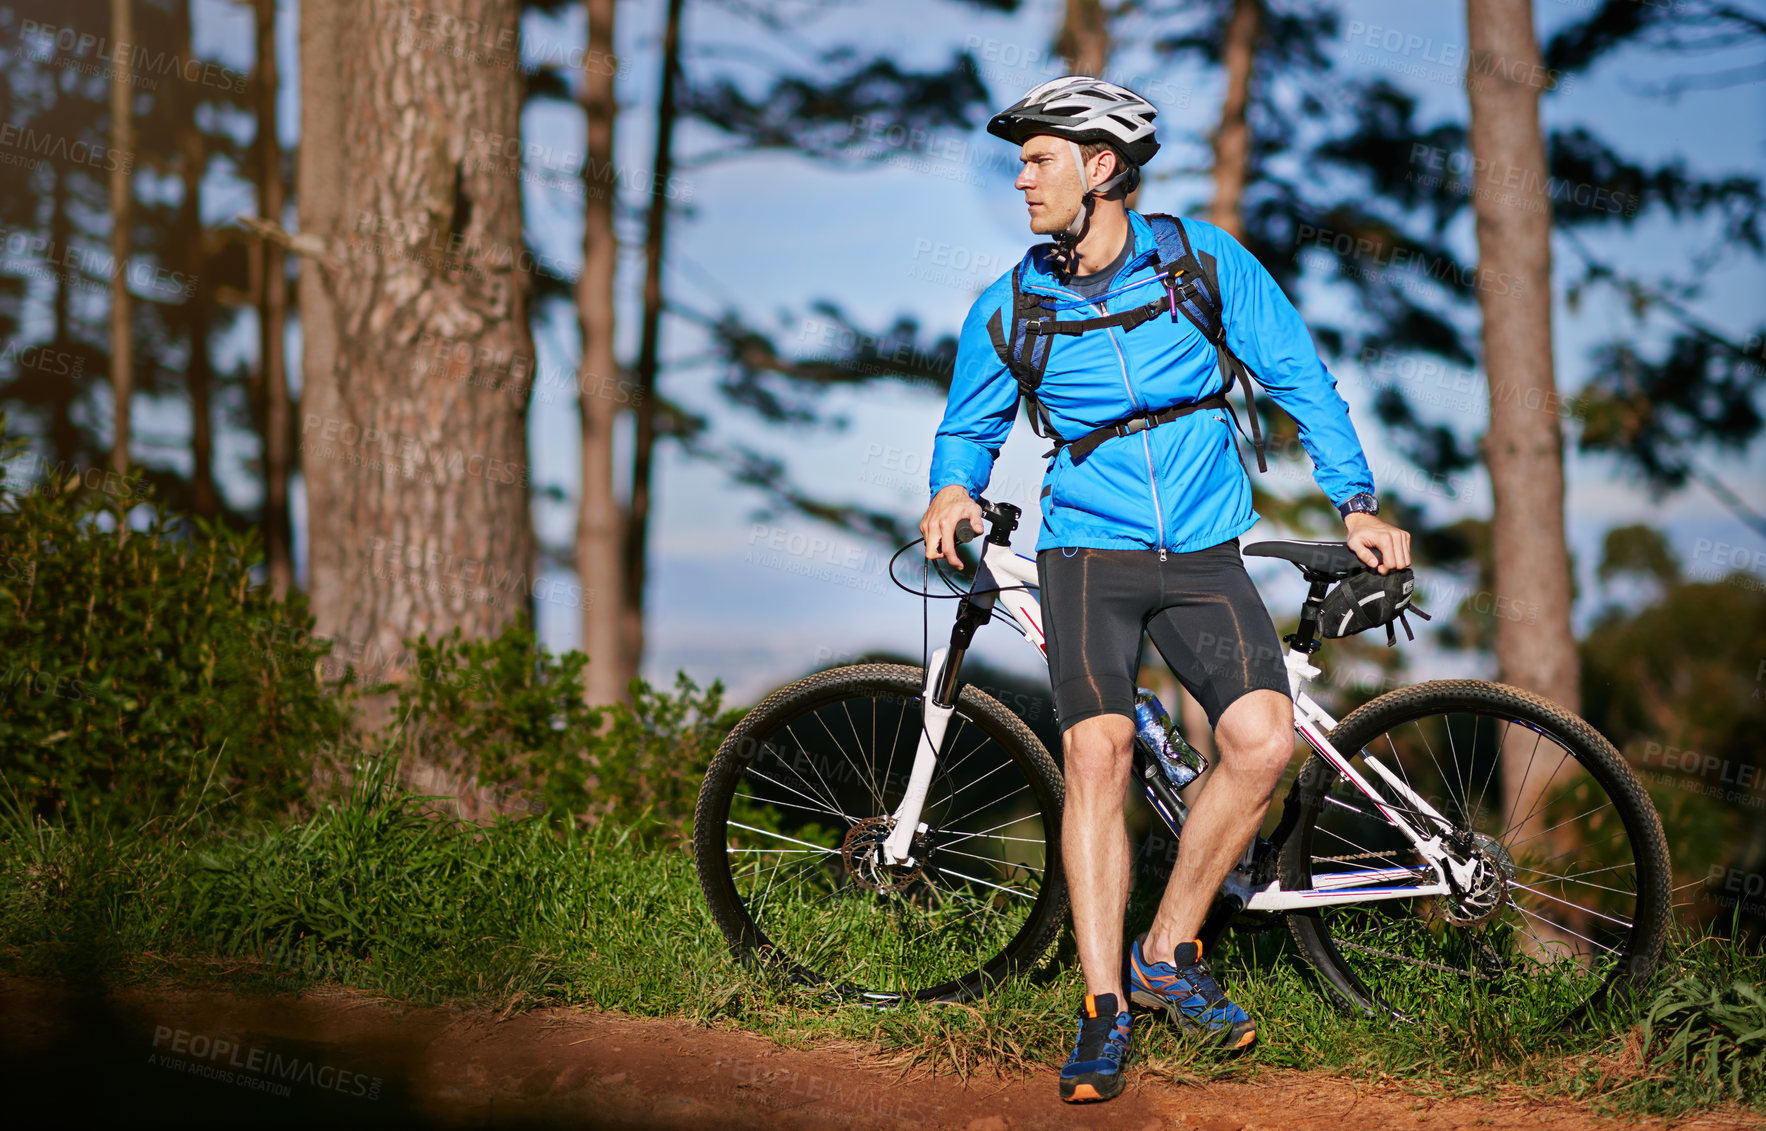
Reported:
(139, 665)
(506, 716)
(1709, 1039)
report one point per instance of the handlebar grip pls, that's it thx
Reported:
(965, 532)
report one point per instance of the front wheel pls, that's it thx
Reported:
(1563, 886)
(798, 800)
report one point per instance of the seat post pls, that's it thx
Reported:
(1306, 641)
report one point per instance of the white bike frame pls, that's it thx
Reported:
(1016, 575)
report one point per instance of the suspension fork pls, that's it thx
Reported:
(939, 699)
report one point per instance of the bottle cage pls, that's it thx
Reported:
(1192, 285)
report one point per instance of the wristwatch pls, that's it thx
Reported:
(1363, 503)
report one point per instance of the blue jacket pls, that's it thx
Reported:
(1179, 486)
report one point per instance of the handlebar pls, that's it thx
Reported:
(1002, 519)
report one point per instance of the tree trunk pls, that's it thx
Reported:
(272, 314)
(1232, 141)
(205, 501)
(122, 140)
(414, 454)
(1084, 40)
(637, 536)
(600, 526)
(1524, 447)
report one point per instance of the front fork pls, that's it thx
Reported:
(905, 821)
(938, 699)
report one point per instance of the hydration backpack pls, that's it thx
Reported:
(1192, 285)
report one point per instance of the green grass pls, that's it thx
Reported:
(380, 894)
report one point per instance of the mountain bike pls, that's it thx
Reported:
(889, 832)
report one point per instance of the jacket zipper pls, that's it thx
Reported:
(1133, 400)
(1146, 443)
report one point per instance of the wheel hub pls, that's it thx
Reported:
(1484, 896)
(863, 853)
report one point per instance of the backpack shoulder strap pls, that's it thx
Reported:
(1025, 355)
(1200, 298)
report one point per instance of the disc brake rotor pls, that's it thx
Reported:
(1484, 898)
(863, 855)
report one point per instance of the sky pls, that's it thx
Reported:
(755, 603)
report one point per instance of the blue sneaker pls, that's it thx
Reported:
(1094, 1071)
(1186, 990)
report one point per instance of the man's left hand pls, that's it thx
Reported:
(1367, 534)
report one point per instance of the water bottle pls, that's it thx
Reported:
(1181, 762)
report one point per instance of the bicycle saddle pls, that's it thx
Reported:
(1334, 560)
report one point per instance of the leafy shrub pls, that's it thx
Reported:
(135, 668)
(506, 716)
(1710, 1038)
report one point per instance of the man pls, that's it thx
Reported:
(1139, 534)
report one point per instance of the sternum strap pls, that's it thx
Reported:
(1139, 422)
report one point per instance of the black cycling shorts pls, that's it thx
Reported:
(1200, 608)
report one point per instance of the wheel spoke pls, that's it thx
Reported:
(1577, 906)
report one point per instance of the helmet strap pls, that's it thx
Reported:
(1076, 228)
(1065, 253)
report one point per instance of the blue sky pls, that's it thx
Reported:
(754, 604)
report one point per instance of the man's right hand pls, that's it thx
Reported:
(949, 507)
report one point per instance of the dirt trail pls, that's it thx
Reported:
(178, 1057)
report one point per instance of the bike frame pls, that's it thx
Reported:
(1004, 579)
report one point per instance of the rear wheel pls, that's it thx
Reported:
(1564, 885)
(796, 805)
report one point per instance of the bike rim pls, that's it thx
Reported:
(806, 811)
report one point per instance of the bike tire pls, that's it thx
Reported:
(826, 919)
(1623, 916)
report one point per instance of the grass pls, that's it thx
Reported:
(381, 894)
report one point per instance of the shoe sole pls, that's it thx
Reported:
(1106, 1087)
(1237, 1036)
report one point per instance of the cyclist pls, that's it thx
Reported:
(1139, 534)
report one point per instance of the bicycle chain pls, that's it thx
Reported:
(1386, 953)
(1362, 856)
(1416, 961)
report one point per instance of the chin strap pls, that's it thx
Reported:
(1064, 256)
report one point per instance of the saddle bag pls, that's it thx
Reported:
(1365, 600)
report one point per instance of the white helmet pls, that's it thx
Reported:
(1082, 109)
